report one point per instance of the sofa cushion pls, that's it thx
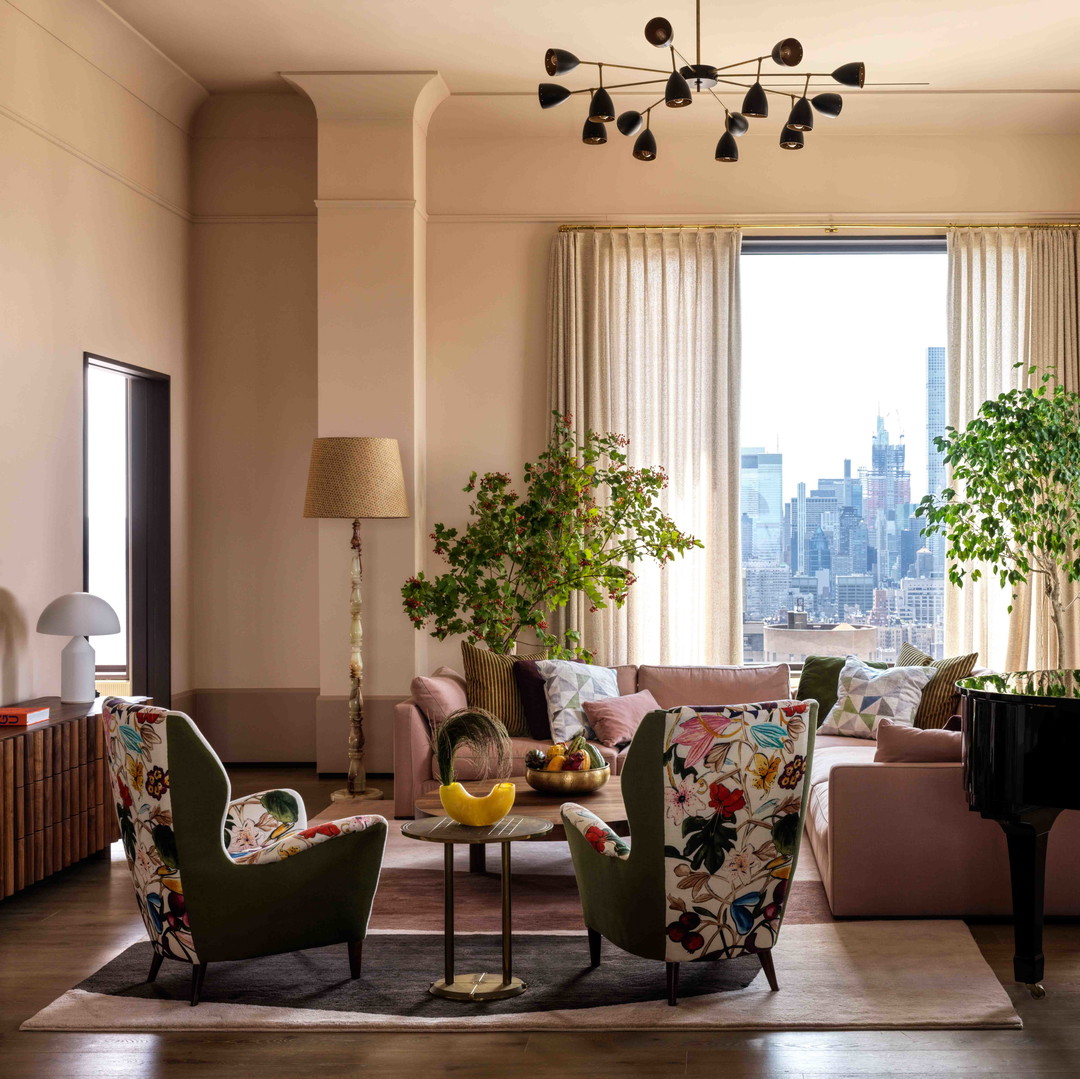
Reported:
(896, 742)
(489, 684)
(614, 720)
(567, 686)
(626, 674)
(855, 751)
(467, 767)
(676, 686)
(866, 696)
(820, 679)
(439, 694)
(941, 698)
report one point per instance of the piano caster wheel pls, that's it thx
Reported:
(1037, 991)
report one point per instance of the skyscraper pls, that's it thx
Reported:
(886, 495)
(935, 427)
(763, 504)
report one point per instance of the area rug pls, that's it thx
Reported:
(833, 976)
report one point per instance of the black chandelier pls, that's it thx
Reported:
(683, 82)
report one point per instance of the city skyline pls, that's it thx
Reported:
(848, 549)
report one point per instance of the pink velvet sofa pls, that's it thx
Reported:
(898, 840)
(414, 770)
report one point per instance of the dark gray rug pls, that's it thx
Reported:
(400, 966)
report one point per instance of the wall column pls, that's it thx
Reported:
(372, 224)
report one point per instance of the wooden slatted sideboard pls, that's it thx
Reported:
(55, 806)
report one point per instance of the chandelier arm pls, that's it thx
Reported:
(617, 86)
(624, 67)
(742, 63)
(767, 89)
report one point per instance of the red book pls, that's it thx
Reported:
(22, 717)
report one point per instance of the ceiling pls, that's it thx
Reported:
(490, 52)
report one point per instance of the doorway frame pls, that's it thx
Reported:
(149, 524)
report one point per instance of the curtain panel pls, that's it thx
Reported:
(645, 342)
(1012, 298)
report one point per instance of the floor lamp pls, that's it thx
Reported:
(356, 478)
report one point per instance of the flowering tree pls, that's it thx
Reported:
(586, 517)
(1016, 503)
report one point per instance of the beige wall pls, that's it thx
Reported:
(254, 619)
(93, 214)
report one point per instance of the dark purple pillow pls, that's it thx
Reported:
(530, 687)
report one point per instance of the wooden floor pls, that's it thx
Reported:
(59, 931)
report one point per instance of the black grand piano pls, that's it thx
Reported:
(1021, 735)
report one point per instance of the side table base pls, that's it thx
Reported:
(477, 987)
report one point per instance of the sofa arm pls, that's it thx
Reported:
(902, 842)
(412, 757)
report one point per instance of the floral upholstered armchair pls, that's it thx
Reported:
(715, 802)
(217, 878)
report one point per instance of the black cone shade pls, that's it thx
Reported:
(756, 102)
(853, 74)
(629, 123)
(737, 124)
(802, 116)
(601, 110)
(552, 94)
(658, 32)
(677, 95)
(559, 61)
(593, 134)
(727, 149)
(828, 104)
(791, 140)
(787, 52)
(645, 146)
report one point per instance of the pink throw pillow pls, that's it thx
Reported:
(614, 720)
(897, 742)
(438, 695)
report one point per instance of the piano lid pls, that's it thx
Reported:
(1063, 684)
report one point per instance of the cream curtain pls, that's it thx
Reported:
(645, 342)
(1012, 298)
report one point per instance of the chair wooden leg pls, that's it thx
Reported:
(198, 972)
(356, 955)
(594, 947)
(765, 955)
(673, 984)
(155, 966)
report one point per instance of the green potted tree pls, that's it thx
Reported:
(585, 518)
(1015, 505)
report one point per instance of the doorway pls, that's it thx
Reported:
(126, 522)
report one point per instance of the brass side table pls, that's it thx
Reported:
(482, 986)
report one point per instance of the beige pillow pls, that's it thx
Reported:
(941, 698)
(489, 684)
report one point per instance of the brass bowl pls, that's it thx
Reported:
(567, 783)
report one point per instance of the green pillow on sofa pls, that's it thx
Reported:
(820, 680)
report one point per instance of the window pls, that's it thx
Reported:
(843, 389)
(126, 523)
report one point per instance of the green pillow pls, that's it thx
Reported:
(820, 679)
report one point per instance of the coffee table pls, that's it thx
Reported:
(606, 803)
(482, 986)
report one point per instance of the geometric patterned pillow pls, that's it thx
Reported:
(567, 686)
(866, 696)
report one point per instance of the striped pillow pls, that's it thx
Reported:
(941, 698)
(489, 684)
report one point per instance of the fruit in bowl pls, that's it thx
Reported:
(572, 767)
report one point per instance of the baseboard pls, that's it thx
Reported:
(266, 726)
(332, 733)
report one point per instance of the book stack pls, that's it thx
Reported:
(22, 717)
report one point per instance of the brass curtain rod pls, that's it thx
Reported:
(830, 225)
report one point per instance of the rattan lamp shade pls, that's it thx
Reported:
(355, 477)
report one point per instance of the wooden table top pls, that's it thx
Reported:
(606, 803)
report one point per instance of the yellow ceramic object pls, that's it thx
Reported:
(477, 812)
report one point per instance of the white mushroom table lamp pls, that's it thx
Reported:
(78, 615)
